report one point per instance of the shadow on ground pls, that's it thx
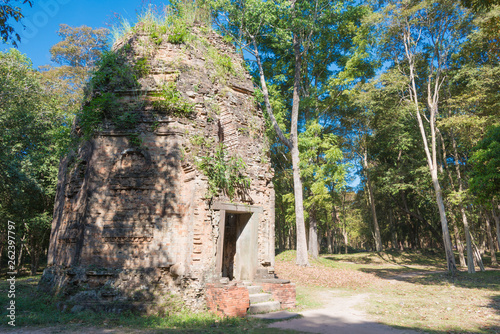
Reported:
(495, 304)
(488, 280)
(424, 258)
(324, 323)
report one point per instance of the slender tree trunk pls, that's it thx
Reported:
(482, 244)
(344, 221)
(460, 246)
(336, 246)
(478, 259)
(377, 237)
(301, 243)
(35, 258)
(450, 257)
(20, 253)
(394, 241)
(302, 259)
(490, 242)
(431, 154)
(280, 235)
(329, 237)
(470, 258)
(313, 235)
(497, 225)
(20, 258)
(346, 239)
(283, 237)
(470, 262)
(477, 255)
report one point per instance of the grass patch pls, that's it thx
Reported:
(286, 256)
(440, 304)
(309, 298)
(413, 258)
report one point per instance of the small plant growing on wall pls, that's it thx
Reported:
(113, 73)
(142, 67)
(126, 120)
(170, 100)
(135, 140)
(224, 173)
(178, 33)
(91, 115)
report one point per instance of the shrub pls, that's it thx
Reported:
(178, 33)
(113, 73)
(170, 100)
(223, 173)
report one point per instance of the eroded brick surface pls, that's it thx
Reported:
(231, 301)
(284, 293)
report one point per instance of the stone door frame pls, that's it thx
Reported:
(253, 223)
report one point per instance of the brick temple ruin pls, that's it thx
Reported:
(134, 227)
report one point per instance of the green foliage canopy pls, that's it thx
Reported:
(34, 133)
(485, 174)
(9, 11)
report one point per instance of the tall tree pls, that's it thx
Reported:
(324, 175)
(75, 56)
(292, 33)
(422, 36)
(79, 46)
(34, 131)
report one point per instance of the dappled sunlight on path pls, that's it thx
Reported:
(339, 316)
(370, 293)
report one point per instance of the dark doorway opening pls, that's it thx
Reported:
(235, 245)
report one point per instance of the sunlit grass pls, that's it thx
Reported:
(154, 20)
(438, 302)
(309, 298)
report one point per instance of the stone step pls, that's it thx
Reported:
(254, 289)
(259, 297)
(247, 283)
(264, 307)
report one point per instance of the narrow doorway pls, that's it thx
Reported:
(236, 246)
(229, 248)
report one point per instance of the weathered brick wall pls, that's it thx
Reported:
(284, 293)
(231, 301)
(123, 206)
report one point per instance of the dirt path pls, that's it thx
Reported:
(339, 316)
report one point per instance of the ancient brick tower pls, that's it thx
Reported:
(134, 220)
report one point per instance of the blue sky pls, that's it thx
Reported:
(43, 19)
